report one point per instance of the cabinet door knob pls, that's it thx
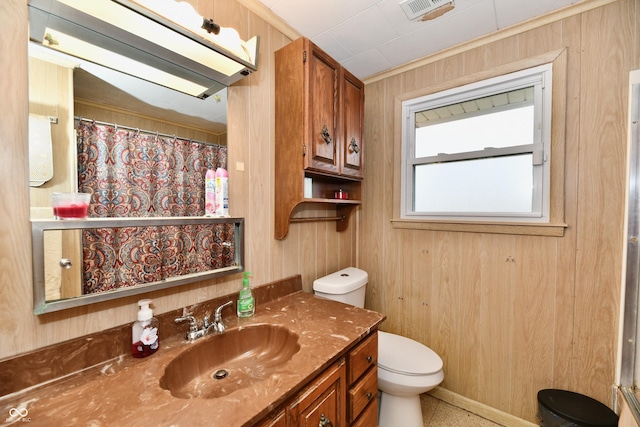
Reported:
(369, 359)
(369, 395)
(326, 135)
(353, 145)
(324, 421)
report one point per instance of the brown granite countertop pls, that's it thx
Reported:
(127, 392)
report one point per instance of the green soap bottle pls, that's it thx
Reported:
(246, 302)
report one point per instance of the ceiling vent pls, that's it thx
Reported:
(414, 9)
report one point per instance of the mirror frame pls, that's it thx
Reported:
(38, 227)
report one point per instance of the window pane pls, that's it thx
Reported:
(491, 185)
(506, 128)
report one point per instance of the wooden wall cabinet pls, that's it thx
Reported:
(318, 132)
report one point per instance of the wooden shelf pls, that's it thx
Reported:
(332, 201)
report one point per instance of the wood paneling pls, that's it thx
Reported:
(606, 59)
(312, 250)
(509, 314)
(16, 322)
(123, 117)
(513, 314)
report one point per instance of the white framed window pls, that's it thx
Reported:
(479, 152)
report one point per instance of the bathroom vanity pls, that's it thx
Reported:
(344, 394)
(319, 367)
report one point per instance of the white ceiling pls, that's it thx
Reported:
(371, 36)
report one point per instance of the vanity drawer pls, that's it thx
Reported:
(362, 358)
(369, 417)
(362, 393)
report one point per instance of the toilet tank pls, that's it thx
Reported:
(347, 286)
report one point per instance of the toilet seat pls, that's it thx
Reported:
(405, 356)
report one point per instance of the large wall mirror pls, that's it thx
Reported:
(64, 91)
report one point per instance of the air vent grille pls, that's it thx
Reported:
(416, 8)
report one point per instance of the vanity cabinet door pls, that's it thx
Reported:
(322, 404)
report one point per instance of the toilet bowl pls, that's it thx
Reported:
(406, 368)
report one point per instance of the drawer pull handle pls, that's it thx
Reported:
(324, 421)
(369, 395)
(369, 359)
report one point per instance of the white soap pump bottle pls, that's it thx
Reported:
(144, 332)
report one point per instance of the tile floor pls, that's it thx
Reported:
(437, 413)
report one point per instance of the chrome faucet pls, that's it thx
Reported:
(195, 332)
(193, 327)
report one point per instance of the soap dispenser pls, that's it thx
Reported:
(144, 332)
(246, 303)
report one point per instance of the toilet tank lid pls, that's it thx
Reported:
(341, 282)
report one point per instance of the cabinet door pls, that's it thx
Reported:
(321, 150)
(352, 125)
(323, 403)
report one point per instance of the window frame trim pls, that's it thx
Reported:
(540, 78)
(555, 225)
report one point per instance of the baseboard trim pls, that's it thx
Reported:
(480, 409)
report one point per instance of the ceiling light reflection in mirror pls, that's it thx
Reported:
(107, 58)
(212, 109)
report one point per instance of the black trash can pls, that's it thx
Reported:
(561, 408)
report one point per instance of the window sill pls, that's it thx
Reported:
(519, 228)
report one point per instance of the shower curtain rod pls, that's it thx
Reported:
(149, 132)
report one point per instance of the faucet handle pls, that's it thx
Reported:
(193, 323)
(218, 314)
(218, 324)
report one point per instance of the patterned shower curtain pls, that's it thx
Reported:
(134, 174)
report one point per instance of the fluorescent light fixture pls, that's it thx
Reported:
(133, 38)
(96, 54)
(184, 15)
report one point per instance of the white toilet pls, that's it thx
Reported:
(406, 368)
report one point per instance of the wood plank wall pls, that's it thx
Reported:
(312, 249)
(511, 315)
